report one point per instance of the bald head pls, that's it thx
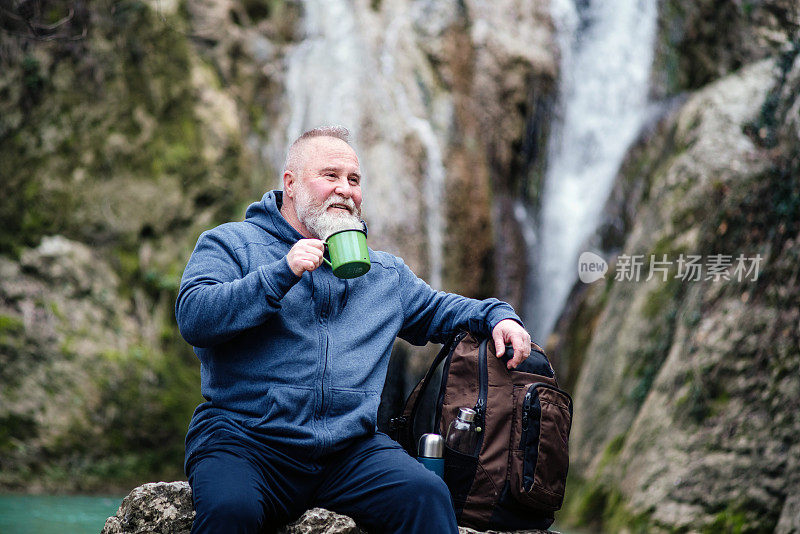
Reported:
(295, 157)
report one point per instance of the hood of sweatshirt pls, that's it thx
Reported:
(266, 214)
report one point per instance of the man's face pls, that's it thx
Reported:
(327, 191)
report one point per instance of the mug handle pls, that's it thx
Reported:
(324, 258)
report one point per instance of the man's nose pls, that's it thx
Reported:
(343, 188)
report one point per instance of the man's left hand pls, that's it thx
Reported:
(510, 331)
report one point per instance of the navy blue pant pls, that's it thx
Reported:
(240, 487)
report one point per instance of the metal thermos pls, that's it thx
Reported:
(431, 453)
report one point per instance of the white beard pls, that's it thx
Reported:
(318, 220)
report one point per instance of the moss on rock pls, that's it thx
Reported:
(696, 373)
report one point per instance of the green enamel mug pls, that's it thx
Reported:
(348, 252)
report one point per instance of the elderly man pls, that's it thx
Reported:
(293, 360)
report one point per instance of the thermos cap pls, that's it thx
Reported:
(431, 446)
(466, 414)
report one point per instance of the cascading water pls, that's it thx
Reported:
(324, 72)
(326, 79)
(434, 183)
(607, 52)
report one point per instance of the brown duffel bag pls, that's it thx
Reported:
(516, 476)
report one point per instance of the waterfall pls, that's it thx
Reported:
(434, 179)
(324, 72)
(607, 51)
(331, 75)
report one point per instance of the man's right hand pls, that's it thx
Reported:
(305, 255)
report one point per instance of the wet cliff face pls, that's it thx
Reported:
(701, 41)
(117, 149)
(127, 128)
(686, 394)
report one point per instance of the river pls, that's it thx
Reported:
(55, 514)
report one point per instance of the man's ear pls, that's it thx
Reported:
(288, 183)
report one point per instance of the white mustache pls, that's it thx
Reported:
(336, 199)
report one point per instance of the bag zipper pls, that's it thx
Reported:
(483, 393)
(526, 415)
(526, 408)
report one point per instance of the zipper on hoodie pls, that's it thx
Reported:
(324, 369)
(325, 314)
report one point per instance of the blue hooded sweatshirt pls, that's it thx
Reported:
(301, 361)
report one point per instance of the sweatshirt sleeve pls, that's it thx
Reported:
(431, 315)
(216, 301)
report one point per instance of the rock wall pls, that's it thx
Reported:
(83, 381)
(704, 40)
(687, 390)
(117, 148)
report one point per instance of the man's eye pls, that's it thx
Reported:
(354, 181)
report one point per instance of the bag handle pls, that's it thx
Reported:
(524, 366)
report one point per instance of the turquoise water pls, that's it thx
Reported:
(69, 514)
(55, 514)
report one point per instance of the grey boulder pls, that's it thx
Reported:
(166, 508)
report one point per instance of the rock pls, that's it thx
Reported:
(166, 508)
(691, 51)
(155, 507)
(55, 290)
(790, 517)
(712, 148)
(696, 381)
